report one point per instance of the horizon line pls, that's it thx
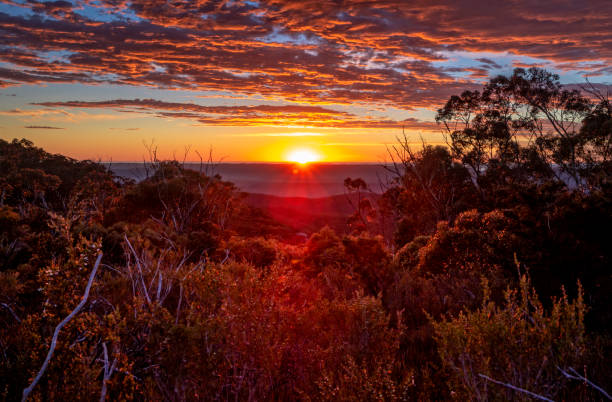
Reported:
(251, 162)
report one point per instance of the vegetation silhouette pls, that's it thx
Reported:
(482, 272)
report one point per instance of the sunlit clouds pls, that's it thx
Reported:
(210, 72)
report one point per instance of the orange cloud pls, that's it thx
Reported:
(259, 115)
(306, 51)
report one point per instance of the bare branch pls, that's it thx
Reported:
(532, 394)
(227, 255)
(577, 376)
(140, 270)
(6, 306)
(28, 390)
(109, 368)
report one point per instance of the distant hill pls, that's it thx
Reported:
(305, 215)
(317, 180)
(287, 200)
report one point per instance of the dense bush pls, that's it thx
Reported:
(537, 346)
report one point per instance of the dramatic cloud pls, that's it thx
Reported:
(405, 54)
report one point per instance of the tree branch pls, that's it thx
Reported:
(15, 316)
(107, 373)
(534, 395)
(28, 390)
(579, 377)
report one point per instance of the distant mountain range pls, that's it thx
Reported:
(301, 199)
(316, 180)
(307, 215)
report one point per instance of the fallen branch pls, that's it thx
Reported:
(28, 390)
(532, 394)
(579, 377)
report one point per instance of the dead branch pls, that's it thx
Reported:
(140, 270)
(28, 390)
(227, 255)
(15, 316)
(109, 368)
(532, 394)
(576, 376)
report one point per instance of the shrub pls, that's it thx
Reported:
(254, 250)
(518, 343)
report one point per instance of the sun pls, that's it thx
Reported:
(303, 156)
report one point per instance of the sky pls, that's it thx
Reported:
(265, 80)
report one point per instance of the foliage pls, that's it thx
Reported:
(532, 127)
(256, 251)
(350, 263)
(430, 187)
(535, 345)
